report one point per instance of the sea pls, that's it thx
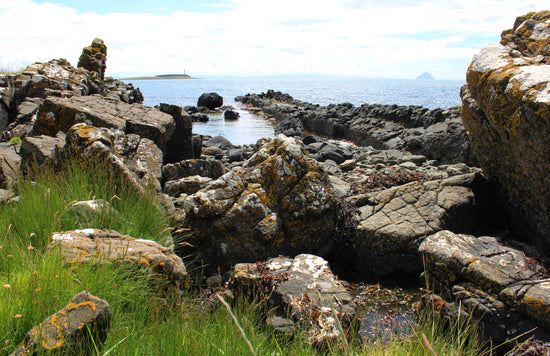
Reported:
(323, 91)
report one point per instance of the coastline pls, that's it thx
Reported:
(161, 77)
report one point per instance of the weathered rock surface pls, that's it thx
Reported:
(497, 283)
(506, 107)
(186, 185)
(192, 167)
(38, 149)
(437, 134)
(94, 58)
(59, 114)
(9, 165)
(75, 329)
(279, 202)
(303, 289)
(104, 246)
(393, 222)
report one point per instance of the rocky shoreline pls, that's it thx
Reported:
(401, 196)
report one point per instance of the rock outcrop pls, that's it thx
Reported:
(437, 134)
(506, 108)
(279, 202)
(94, 58)
(75, 329)
(210, 101)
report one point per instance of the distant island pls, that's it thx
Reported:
(162, 76)
(425, 75)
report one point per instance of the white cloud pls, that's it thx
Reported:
(350, 37)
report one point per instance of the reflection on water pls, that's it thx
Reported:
(248, 129)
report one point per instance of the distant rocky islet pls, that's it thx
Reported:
(369, 190)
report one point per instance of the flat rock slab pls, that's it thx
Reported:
(101, 246)
(304, 289)
(59, 114)
(394, 221)
(69, 330)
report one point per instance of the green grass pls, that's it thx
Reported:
(35, 283)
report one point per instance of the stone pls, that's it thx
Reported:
(219, 142)
(210, 101)
(105, 246)
(279, 202)
(212, 151)
(94, 58)
(394, 221)
(303, 289)
(9, 165)
(37, 150)
(180, 145)
(75, 329)
(186, 185)
(231, 115)
(192, 167)
(60, 114)
(506, 110)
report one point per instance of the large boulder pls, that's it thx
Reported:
(103, 246)
(94, 58)
(279, 202)
(60, 114)
(9, 165)
(210, 101)
(75, 329)
(506, 108)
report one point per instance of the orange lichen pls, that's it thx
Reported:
(72, 306)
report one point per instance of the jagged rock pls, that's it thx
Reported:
(94, 58)
(75, 329)
(59, 114)
(38, 149)
(290, 127)
(279, 202)
(9, 165)
(192, 167)
(394, 221)
(210, 101)
(103, 246)
(495, 282)
(303, 289)
(180, 145)
(506, 107)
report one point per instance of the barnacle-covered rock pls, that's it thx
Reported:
(303, 289)
(279, 202)
(506, 109)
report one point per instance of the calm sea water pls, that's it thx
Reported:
(249, 128)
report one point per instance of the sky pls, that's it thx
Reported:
(350, 38)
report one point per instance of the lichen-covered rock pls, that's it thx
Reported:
(279, 202)
(94, 58)
(103, 246)
(506, 109)
(60, 114)
(38, 149)
(186, 185)
(303, 289)
(75, 329)
(393, 222)
(192, 167)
